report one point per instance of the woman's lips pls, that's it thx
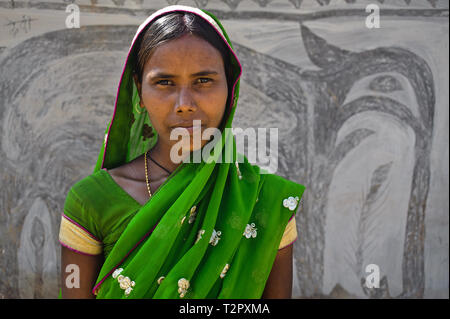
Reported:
(190, 129)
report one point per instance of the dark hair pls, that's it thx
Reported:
(172, 26)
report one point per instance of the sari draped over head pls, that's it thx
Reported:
(212, 229)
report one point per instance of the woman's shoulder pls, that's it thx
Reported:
(286, 193)
(94, 200)
(100, 195)
(275, 188)
(280, 185)
(89, 187)
(279, 198)
(91, 196)
(277, 180)
(80, 205)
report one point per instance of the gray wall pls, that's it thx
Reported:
(362, 116)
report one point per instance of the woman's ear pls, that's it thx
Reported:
(138, 86)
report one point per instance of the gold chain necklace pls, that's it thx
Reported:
(146, 176)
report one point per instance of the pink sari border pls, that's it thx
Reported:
(293, 215)
(79, 226)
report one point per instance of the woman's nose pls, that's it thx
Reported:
(185, 102)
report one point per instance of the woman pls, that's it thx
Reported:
(145, 226)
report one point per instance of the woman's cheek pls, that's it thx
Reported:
(216, 110)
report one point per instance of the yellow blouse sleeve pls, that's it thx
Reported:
(76, 238)
(290, 234)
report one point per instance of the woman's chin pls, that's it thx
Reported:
(182, 152)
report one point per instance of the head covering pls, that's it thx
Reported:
(212, 229)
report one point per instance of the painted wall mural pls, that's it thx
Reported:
(362, 116)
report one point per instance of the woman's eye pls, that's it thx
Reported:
(204, 80)
(163, 82)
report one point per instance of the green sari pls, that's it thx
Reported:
(212, 229)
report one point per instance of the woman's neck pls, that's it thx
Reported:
(161, 154)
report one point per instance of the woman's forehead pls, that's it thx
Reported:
(187, 52)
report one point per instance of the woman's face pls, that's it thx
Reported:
(182, 81)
